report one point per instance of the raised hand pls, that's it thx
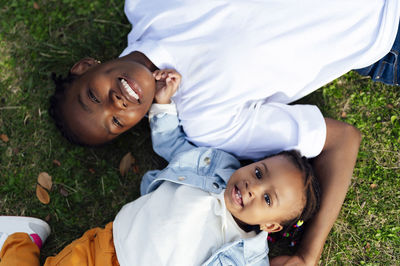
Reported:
(167, 83)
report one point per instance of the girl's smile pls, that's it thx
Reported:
(270, 191)
(237, 196)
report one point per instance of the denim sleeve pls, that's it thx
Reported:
(167, 136)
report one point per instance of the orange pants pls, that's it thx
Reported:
(95, 247)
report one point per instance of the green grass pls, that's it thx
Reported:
(36, 42)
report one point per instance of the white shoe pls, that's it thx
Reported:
(37, 229)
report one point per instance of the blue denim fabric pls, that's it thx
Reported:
(387, 69)
(204, 168)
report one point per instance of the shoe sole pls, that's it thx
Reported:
(16, 223)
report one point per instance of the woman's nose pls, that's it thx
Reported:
(119, 101)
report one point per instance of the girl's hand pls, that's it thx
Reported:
(288, 260)
(167, 83)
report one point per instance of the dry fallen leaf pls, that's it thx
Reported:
(56, 162)
(126, 163)
(45, 180)
(4, 137)
(42, 194)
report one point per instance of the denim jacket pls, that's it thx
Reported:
(204, 168)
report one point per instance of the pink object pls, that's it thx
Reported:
(37, 240)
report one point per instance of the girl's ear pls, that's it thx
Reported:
(83, 65)
(271, 227)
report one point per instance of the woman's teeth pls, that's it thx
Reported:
(129, 89)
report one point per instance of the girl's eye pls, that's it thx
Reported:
(267, 199)
(258, 173)
(92, 96)
(116, 121)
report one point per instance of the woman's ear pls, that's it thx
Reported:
(271, 227)
(83, 65)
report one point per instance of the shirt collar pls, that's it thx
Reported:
(255, 247)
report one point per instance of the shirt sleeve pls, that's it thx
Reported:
(299, 127)
(264, 128)
(167, 135)
(157, 108)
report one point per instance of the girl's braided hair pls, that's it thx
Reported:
(62, 84)
(311, 188)
(291, 231)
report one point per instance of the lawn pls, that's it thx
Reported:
(38, 38)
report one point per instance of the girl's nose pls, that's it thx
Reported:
(249, 189)
(119, 101)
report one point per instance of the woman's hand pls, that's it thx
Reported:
(167, 83)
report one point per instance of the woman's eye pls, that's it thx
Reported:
(267, 199)
(258, 173)
(92, 96)
(116, 122)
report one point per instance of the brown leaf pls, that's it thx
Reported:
(56, 163)
(36, 6)
(373, 185)
(42, 194)
(63, 191)
(45, 180)
(92, 171)
(126, 163)
(4, 137)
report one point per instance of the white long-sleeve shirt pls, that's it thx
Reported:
(242, 61)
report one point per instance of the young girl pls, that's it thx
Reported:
(202, 209)
(190, 216)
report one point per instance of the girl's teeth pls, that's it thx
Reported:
(238, 196)
(129, 89)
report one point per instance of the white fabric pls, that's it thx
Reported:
(3, 238)
(157, 108)
(237, 57)
(174, 225)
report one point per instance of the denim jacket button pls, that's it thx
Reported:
(215, 185)
(207, 160)
(181, 178)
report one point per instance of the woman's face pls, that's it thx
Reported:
(107, 99)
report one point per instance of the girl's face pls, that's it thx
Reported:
(267, 193)
(107, 99)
